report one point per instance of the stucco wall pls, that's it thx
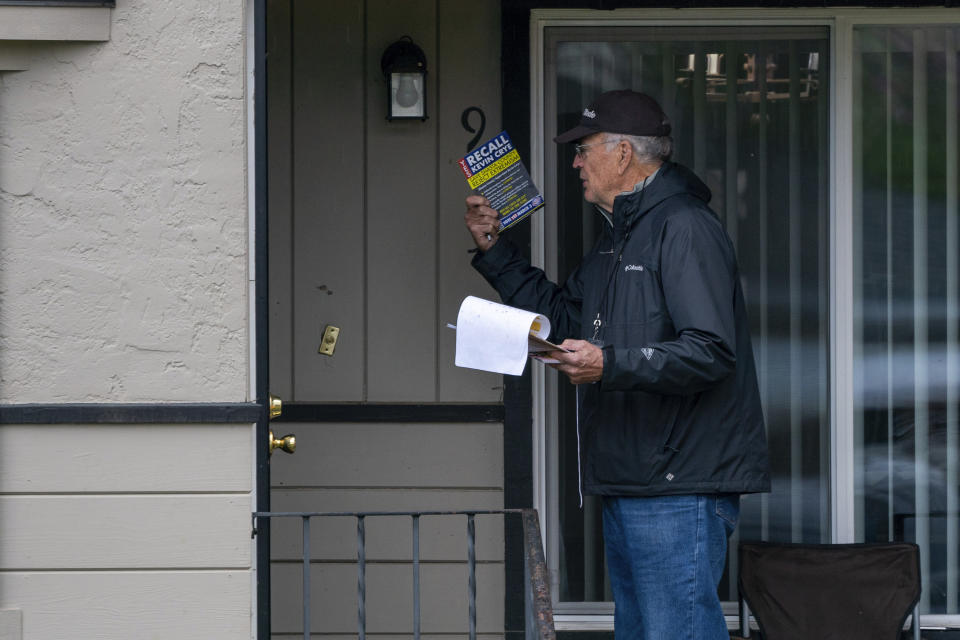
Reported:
(123, 213)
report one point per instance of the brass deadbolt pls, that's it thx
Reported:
(276, 407)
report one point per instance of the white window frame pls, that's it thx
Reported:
(841, 23)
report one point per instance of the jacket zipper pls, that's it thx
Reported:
(597, 323)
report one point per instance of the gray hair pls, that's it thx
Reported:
(650, 149)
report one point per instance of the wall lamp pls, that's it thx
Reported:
(405, 69)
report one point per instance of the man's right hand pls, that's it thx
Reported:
(482, 222)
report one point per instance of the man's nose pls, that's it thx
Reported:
(577, 161)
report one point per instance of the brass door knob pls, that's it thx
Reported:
(276, 406)
(287, 443)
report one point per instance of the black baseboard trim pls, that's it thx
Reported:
(316, 412)
(203, 413)
(133, 413)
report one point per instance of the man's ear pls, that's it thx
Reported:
(624, 157)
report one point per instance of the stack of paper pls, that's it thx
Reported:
(498, 338)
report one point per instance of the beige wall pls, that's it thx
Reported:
(123, 278)
(123, 214)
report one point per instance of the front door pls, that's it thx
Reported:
(368, 263)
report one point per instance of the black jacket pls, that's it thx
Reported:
(677, 410)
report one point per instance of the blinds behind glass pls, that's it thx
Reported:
(906, 306)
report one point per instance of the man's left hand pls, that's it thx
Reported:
(582, 361)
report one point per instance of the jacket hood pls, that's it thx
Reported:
(672, 179)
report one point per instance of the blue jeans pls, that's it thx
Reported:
(666, 556)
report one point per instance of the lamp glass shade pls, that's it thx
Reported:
(407, 98)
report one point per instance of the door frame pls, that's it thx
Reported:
(257, 189)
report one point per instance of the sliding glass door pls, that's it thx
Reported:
(829, 139)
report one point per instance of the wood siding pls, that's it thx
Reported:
(127, 531)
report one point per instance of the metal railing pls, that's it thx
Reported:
(538, 612)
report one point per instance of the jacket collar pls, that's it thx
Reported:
(671, 179)
(637, 188)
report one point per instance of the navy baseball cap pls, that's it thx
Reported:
(622, 111)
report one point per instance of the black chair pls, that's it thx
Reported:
(829, 591)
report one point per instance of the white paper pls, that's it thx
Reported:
(495, 337)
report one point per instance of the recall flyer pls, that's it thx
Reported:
(495, 171)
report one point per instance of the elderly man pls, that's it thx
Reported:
(670, 426)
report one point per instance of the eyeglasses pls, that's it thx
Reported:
(581, 148)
